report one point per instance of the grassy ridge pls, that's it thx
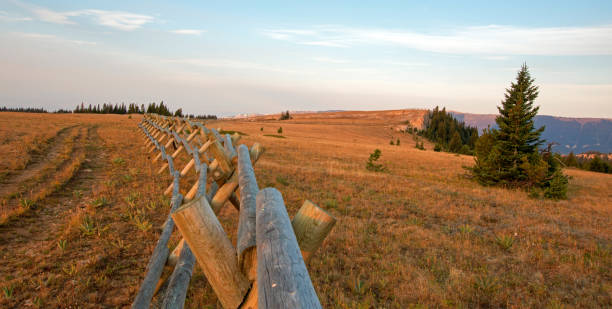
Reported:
(423, 233)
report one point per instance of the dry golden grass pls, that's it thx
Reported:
(23, 135)
(422, 233)
(418, 234)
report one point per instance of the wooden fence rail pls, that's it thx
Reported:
(267, 268)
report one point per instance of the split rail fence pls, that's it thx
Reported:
(267, 268)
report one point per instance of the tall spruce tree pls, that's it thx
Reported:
(509, 155)
(517, 138)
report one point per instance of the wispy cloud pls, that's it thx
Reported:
(330, 60)
(188, 31)
(231, 64)
(324, 43)
(316, 37)
(404, 64)
(50, 37)
(114, 19)
(497, 58)
(5, 16)
(490, 40)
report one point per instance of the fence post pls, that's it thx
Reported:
(157, 262)
(213, 251)
(245, 245)
(311, 225)
(282, 277)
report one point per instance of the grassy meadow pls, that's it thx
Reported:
(420, 234)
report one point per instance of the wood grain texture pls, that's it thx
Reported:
(247, 256)
(176, 253)
(223, 160)
(224, 193)
(311, 225)
(282, 278)
(176, 291)
(213, 251)
(256, 151)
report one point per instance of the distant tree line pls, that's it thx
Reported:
(593, 162)
(448, 133)
(108, 108)
(23, 109)
(104, 108)
(133, 108)
(285, 116)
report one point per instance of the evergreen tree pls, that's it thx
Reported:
(509, 155)
(285, 116)
(517, 139)
(571, 160)
(441, 127)
(455, 143)
(372, 165)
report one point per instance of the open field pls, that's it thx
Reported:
(418, 234)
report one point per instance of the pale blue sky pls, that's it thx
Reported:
(228, 57)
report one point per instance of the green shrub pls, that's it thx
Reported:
(274, 135)
(280, 130)
(371, 164)
(505, 242)
(282, 180)
(557, 186)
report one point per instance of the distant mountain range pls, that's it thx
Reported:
(573, 134)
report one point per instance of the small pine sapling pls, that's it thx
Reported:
(371, 164)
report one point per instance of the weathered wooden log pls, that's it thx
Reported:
(192, 191)
(229, 147)
(178, 151)
(234, 199)
(214, 165)
(187, 167)
(169, 143)
(174, 255)
(282, 278)
(159, 155)
(224, 193)
(152, 148)
(245, 245)
(256, 151)
(198, 184)
(213, 251)
(236, 138)
(222, 159)
(250, 301)
(311, 225)
(213, 134)
(157, 261)
(174, 155)
(191, 163)
(176, 291)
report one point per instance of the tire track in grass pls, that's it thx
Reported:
(38, 163)
(27, 243)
